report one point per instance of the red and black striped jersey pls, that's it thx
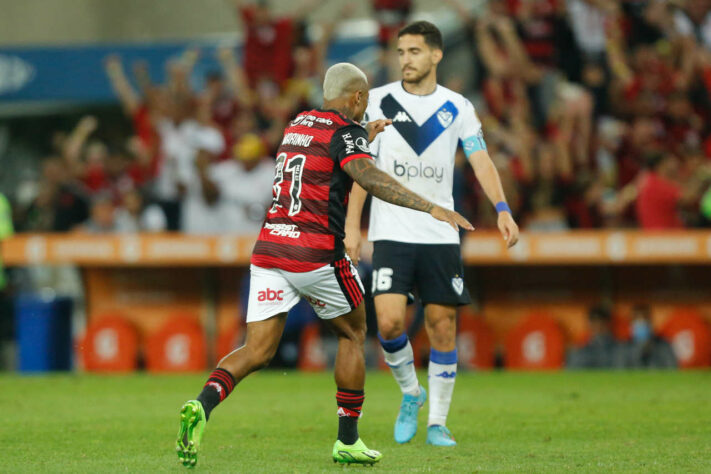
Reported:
(304, 228)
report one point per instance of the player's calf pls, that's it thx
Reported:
(249, 358)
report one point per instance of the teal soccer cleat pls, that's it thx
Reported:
(438, 435)
(406, 423)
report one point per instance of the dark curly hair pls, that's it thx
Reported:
(431, 34)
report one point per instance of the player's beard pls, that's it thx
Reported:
(417, 78)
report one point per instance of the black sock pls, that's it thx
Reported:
(218, 386)
(350, 403)
(347, 429)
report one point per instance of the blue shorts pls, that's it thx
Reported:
(435, 270)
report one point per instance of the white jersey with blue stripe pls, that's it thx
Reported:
(418, 150)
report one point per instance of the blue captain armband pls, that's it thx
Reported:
(474, 143)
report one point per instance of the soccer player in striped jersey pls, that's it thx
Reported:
(300, 253)
(410, 249)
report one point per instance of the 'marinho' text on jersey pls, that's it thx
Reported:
(297, 139)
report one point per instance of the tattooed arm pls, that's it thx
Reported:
(384, 187)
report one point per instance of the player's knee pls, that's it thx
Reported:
(355, 333)
(390, 328)
(359, 334)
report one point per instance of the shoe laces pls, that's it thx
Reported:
(445, 432)
(409, 406)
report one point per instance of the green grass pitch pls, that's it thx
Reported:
(286, 422)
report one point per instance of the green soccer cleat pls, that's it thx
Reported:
(356, 453)
(192, 424)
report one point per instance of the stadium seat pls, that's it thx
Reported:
(690, 337)
(312, 356)
(621, 328)
(177, 346)
(228, 336)
(475, 342)
(421, 348)
(110, 344)
(535, 343)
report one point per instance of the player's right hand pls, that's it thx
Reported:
(375, 127)
(453, 218)
(352, 242)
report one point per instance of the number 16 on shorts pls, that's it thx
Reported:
(382, 279)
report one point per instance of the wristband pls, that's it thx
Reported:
(501, 206)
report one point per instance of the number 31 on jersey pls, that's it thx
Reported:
(295, 165)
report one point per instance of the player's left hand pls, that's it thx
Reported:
(375, 127)
(508, 228)
(352, 242)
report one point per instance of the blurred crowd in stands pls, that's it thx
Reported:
(643, 348)
(597, 110)
(596, 113)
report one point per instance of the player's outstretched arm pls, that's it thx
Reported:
(384, 187)
(487, 175)
(356, 201)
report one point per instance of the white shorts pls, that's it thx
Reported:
(333, 290)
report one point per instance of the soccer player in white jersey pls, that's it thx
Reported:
(412, 250)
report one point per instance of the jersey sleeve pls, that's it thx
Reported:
(349, 143)
(470, 131)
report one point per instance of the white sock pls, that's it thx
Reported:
(441, 373)
(402, 364)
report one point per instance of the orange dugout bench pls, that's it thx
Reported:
(530, 303)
